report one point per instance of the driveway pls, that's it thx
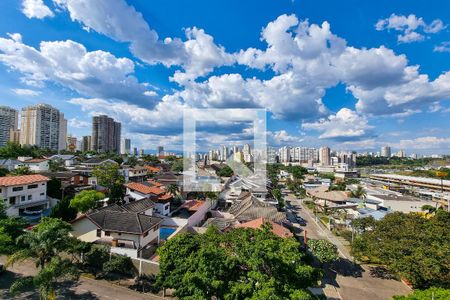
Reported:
(348, 280)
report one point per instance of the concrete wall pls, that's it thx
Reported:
(174, 222)
(199, 215)
(37, 194)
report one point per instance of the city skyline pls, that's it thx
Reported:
(388, 86)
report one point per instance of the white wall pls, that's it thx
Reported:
(162, 208)
(37, 194)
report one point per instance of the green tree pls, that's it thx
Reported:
(120, 264)
(54, 188)
(429, 208)
(86, 200)
(410, 245)
(63, 210)
(3, 172)
(433, 293)
(108, 175)
(21, 170)
(177, 166)
(363, 224)
(238, 264)
(172, 189)
(324, 251)
(225, 171)
(44, 244)
(359, 193)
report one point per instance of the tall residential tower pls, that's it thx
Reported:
(9, 119)
(105, 134)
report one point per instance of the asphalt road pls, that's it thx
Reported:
(347, 280)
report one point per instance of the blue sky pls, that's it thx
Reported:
(354, 75)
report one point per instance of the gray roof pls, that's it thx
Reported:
(139, 206)
(121, 221)
(97, 160)
(251, 208)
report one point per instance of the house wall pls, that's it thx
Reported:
(84, 230)
(199, 215)
(162, 208)
(37, 194)
(136, 195)
(38, 167)
(153, 234)
(174, 222)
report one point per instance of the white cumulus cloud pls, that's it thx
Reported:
(26, 92)
(36, 9)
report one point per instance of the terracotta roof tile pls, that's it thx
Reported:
(21, 180)
(276, 228)
(144, 189)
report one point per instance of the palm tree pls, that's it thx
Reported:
(359, 193)
(173, 189)
(44, 244)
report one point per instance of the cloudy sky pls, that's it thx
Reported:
(348, 75)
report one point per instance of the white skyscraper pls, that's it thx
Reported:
(125, 147)
(285, 154)
(9, 119)
(44, 126)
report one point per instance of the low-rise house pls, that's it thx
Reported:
(326, 198)
(96, 161)
(25, 195)
(169, 178)
(140, 191)
(259, 222)
(152, 169)
(68, 178)
(135, 174)
(127, 230)
(10, 164)
(37, 164)
(67, 159)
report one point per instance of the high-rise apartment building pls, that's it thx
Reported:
(125, 147)
(224, 153)
(9, 119)
(160, 151)
(271, 155)
(247, 153)
(86, 144)
(285, 154)
(71, 143)
(386, 151)
(304, 154)
(44, 126)
(324, 156)
(105, 134)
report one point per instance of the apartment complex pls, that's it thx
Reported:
(125, 147)
(9, 119)
(325, 156)
(105, 134)
(44, 126)
(86, 144)
(386, 151)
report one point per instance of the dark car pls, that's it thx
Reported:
(301, 221)
(2, 269)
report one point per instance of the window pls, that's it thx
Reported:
(42, 194)
(17, 188)
(22, 198)
(30, 197)
(12, 200)
(99, 233)
(32, 186)
(107, 233)
(119, 233)
(145, 233)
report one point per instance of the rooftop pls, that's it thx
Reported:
(258, 223)
(21, 180)
(144, 189)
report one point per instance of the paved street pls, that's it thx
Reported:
(348, 281)
(85, 288)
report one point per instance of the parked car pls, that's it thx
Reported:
(301, 221)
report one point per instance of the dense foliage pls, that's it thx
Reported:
(13, 150)
(225, 171)
(410, 245)
(63, 210)
(120, 264)
(367, 161)
(10, 229)
(238, 264)
(323, 250)
(86, 200)
(431, 293)
(108, 175)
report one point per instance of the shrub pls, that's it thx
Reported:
(97, 256)
(120, 264)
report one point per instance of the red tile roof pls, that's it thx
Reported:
(276, 228)
(155, 183)
(192, 205)
(153, 169)
(144, 189)
(21, 180)
(165, 197)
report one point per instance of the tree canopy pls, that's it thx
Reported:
(86, 200)
(225, 171)
(410, 245)
(108, 175)
(431, 293)
(238, 264)
(323, 250)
